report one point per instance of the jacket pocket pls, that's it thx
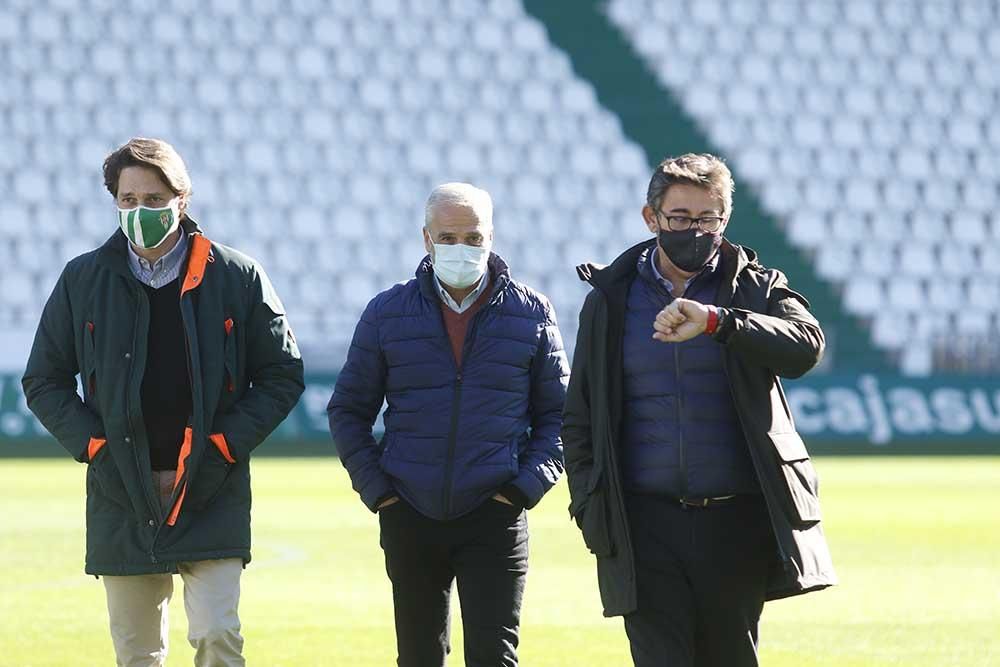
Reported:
(386, 447)
(593, 520)
(801, 493)
(213, 472)
(230, 355)
(102, 474)
(94, 446)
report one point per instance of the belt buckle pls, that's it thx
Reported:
(704, 502)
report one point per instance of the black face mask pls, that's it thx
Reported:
(689, 250)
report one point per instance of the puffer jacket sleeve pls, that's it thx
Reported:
(354, 406)
(274, 367)
(541, 463)
(49, 380)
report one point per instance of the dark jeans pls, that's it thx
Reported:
(486, 551)
(701, 575)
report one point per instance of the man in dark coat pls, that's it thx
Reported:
(687, 478)
(473, 370)
(187, 363)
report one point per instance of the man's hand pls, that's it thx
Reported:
(501, 499)
(385, 503)
(682, 320)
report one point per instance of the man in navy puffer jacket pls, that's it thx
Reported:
(472, 367)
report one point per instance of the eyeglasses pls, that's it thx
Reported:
(682, 223)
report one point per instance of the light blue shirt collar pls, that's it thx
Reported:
(669, 286)
(162, 272)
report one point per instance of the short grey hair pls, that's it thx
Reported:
(460, 194)
(700, 169)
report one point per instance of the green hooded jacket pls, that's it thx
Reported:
(246, 376)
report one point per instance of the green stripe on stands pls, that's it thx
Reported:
(652, 117)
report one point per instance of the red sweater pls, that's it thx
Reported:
(457, 324)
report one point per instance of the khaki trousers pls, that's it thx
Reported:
(137, 607)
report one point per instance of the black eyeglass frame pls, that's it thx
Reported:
(706, 223)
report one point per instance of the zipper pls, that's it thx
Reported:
(680, 407)
(449, 466)
(187, 362)
(680, 404)
(175, 494)
(682, 462)
(155, 507)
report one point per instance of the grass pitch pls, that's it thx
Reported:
(916, 542)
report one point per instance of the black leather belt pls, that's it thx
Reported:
(693, 503)
(706, 502)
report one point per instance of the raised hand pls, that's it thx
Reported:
(682, 320)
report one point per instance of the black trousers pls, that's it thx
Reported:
(701, 575)
(486, 551)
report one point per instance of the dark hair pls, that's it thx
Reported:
(701, 169)
(151, 153)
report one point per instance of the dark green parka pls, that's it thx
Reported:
(769, 333)
(246, 376)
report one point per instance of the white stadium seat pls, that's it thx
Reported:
(323, 125)
(870, 126)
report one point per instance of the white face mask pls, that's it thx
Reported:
(459, 265)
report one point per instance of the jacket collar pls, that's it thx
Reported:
(648, 271)
(114, 253)
(735, 259)
(499, 277)
(605, 276)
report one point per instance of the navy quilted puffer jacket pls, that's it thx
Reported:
(453, 435)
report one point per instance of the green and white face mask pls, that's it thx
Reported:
(149, 227)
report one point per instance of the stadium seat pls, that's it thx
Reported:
(901, 129)
(323, 126)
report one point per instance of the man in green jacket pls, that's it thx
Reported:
(186, 363)
(687, 478)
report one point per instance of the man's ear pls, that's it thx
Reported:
(650, 218)
(428, 243)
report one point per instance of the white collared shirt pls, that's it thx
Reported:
(468, 300)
